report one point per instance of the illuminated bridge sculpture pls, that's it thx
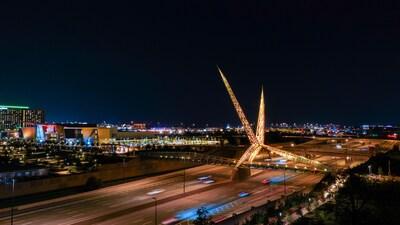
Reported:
(257, 140)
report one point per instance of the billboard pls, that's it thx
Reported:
(48, 132)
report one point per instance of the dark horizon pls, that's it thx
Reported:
(330, 62)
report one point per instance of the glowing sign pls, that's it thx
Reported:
(5, 107)
(43, 131)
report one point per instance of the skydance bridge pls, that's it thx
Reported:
(257, 139)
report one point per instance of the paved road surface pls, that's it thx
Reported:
(222, 201)
(100, 205)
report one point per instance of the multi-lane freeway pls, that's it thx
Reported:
(223, 201)
(134, 202)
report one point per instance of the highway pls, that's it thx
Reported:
(222, 202)
(130, 203)
(339, 153)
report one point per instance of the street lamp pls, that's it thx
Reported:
(284, 180)
(155, 210)
(12, 202)
(184, 181)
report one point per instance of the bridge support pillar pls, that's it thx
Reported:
(240, 174)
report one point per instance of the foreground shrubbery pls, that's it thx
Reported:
(360, 202)
(380, 164)
(296, 204)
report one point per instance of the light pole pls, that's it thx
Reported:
(12, 202)
(284, 180)
(155, 210)
(123, 169)
(184, 181)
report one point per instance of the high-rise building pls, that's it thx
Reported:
(14, 117)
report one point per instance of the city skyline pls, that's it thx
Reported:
(228, 125)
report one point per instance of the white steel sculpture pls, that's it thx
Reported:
(257, 140)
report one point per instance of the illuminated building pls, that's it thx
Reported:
(15, 117)
(49, 132)
(139, 126)
(89, 135)
(28, 133)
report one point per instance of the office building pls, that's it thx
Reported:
(15, 117)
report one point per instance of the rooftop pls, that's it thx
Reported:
(5, 107)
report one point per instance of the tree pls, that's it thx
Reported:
(203, 217)
(257, 218)
(352, 201)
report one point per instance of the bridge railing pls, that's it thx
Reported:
(201, 158)
(189, 156)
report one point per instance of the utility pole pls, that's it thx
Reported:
(389, 171)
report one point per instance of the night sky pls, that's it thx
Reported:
(115, 61)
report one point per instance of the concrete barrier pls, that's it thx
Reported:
(106, 173)
(240, 174)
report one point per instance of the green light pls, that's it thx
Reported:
(3, 107)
